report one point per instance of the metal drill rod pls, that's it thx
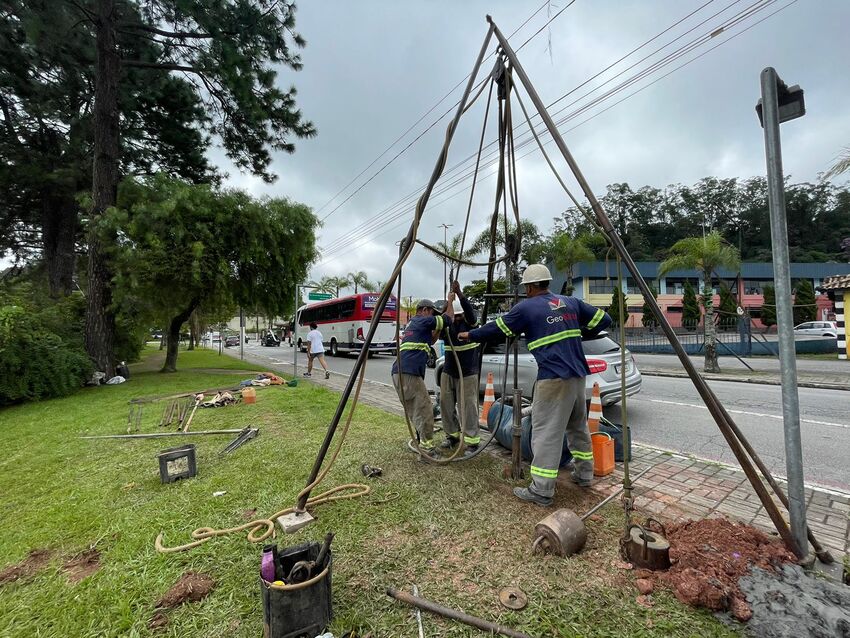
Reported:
(707, 395)
(616, 492)
(439, 610)
(157, 435)
(386, 293)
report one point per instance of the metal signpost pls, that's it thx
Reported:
(779, 104)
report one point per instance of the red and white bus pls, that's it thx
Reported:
(344, 323)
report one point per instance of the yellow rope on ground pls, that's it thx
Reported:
(261, 528)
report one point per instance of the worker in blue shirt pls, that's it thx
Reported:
(460, 387)
(409, 381)
(553, 325)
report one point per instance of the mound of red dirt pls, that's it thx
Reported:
(709, 558)
(191, 587)
(30, 566)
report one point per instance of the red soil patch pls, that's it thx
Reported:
(710, 556)
(82, 565)
(27, 568)
(191, 587)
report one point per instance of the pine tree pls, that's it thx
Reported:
(690, 307)
(728, 307)
(648, 320)
(614, 308)
(805, 306)
(768, 309)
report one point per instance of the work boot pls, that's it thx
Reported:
(450, 442)
(327, 375)
(470, 450)
(578, 480)
(525, 494)
(427, 454)
(307, 374)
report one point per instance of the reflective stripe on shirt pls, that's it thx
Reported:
(596, 319)
(501, 323)
(558, 336)
(468, 346)
(415, 345)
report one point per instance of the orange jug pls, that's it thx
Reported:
(249, 395)
(603, 453)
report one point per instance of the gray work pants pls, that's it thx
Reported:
(417, 404)
(467, 407)
(558, 405)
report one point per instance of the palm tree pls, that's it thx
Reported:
(705, 254)
(566, 252)
(842, 164)
(338, 283)
(359, 280)
(325, 284)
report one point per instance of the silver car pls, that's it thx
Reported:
(603, 359)
(817, 329)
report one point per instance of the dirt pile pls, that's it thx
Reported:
(27, 568)
(709, 558)
(82, 565)
(190, 587)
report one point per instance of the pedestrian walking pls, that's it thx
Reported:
(409, 377)
(316, 351)
(455, 381)
(553, 326)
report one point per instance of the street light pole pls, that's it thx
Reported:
(774, 92)
(445, 228)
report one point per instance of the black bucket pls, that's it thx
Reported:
(297, 613)
(616, 432)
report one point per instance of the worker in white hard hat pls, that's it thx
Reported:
(459, 386)
(408, 372)
(553, 327)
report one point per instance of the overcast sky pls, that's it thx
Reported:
(373, 68)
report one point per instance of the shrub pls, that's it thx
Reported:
(35, 362)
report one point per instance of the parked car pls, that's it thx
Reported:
(232, 340)
(817, 329)
(603, 359)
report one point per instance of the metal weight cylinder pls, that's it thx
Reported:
(562, 532)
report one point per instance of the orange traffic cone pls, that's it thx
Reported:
(489, 399)
(594, 412)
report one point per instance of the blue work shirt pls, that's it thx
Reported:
(553, 325)
(467, 353)
(416, 344)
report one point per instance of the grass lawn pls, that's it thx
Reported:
(457, 532)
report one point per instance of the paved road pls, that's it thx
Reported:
(669, 414)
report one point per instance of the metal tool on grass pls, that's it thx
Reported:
(418, 614)
(134, 418)
(156, 435)
(304, 570)
(245, 435)
(563, 532)
(439, 610)
(198, 399)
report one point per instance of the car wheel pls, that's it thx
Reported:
(432, 359)
(334, 348)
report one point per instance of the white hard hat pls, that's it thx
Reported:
(457, 306)
(536, 273)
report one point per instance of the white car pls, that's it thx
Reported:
(817, 329)
(603, 358)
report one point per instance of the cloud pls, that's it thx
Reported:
(371, 69)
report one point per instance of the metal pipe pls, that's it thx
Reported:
(439, 610)
(608, 498)
(701, 386)
(157, 435)
(292, 339)
(381, 304)
(784, 316)
(516, 435)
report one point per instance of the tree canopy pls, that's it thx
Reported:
(181, 247)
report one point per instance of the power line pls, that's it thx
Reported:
(459, 164)
(335, 253)
(452, 171)
(426, 114)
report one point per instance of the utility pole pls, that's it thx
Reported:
(445, 228)
(779, 104)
